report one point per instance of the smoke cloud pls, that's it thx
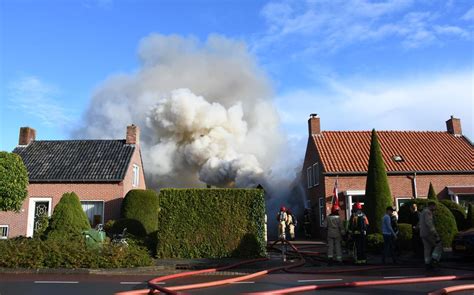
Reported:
(204, 109)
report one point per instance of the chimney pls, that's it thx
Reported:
(314, 126)
(454, 126)
(27, 135)
(133, 135)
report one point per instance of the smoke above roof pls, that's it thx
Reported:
(204, 109)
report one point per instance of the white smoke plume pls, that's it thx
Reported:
(204, 110)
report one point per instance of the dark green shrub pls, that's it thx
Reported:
(142, 206)
(13, 182)
(470, 216)
(458, 212)
(377, 190)
(68, 218)
(404, 236)
(40, 231)
(213, 223)
(375, 243)
(443, 218)
(69, 253)
(133, 226)
(431, 193)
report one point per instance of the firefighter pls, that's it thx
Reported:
(430, 237)
(291, 222)
(335, 233)
(282, 219)
(358, 229)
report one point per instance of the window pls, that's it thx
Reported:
(322, 211)
(136, 176)
(3, 232)
(310, 176)
(315, 174)
(94, 211)
(401, 201)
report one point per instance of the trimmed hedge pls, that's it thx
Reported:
(211, 223)
(443, 218)
(141, 206)
(404, 236)
(377, 190)
(69, 253)
(375, 243)
(458, 212)
(68, 218)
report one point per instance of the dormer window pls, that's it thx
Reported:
(397, 158)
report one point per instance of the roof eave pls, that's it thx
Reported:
(350, 173)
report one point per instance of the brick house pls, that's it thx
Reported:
(100, 172)
(413, 159)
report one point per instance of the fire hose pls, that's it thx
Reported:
(452, 289)
(153, 284)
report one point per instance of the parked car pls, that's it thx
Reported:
(463, 243)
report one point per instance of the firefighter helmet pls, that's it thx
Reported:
(358, 206)
(283, 208)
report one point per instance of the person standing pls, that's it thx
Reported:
(430, 237)
(282, 219)
(394, 223)
(389, 236)
(335, 233)
(416, 242)
(291, 222)
(358, 229)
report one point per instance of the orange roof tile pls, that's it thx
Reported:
(348, 151)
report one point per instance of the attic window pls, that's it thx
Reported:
(397, 158)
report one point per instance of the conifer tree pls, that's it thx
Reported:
(377, 191)
(432, 193)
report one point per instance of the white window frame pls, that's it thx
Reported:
(322, 213)
(103, 208)
(31, 213)
(8, 231)
(309, 176)
(135, 175)
(401, 198)
(316, 174)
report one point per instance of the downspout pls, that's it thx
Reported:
(414, 186)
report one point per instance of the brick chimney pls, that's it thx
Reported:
(27, 135)
(314, 126)
(133, 134)
(454, 126)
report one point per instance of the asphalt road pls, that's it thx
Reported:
(14, 284)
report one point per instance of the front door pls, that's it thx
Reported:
(38, 207)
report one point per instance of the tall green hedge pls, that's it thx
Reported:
(141, 206)
(211, 223)
(458, 212)
(443, 218)
(431, 193)
(377, 190)
(68, 218)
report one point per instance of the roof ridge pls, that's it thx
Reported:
(392, 131)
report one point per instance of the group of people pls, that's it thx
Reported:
(422, 223)
(286, 219)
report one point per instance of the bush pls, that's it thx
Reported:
(133, 226)
(458, 212)
(69, 253)
(443, 218)
(68, 218)
(142, 206)
(404, 236)
(375, 243)
(378, 196)
(13, 182)
(211, 223)
(470, 216)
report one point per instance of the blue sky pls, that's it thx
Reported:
(389, 65)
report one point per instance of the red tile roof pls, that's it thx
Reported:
(348, 151)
